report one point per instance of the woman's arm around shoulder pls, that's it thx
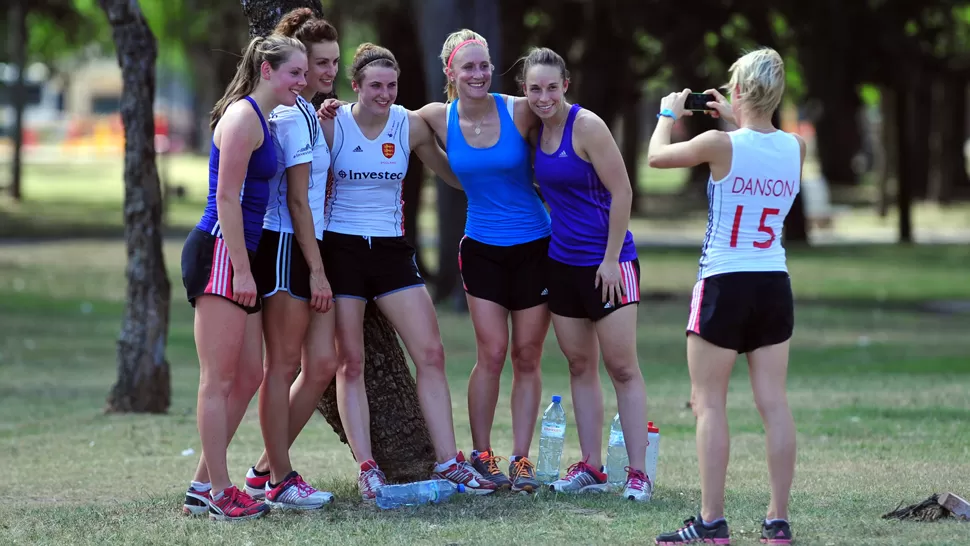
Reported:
(423, 143)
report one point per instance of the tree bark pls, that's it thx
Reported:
(905, 115)
(143, 382)
(953, 134)
(399, 437)
(18, 45)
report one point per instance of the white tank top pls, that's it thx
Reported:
(298, 139)
(747, 208)
(368, 176)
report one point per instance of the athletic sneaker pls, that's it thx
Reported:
(486, 463)
(523, 474)
(256, 483)
(196, 502)
(295, 494)
(776, 532)
(581, 478)
(695, 531)
(370, 480)
(460, 472)
(638, 486)
(236, 505)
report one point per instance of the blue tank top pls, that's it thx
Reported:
(254, 194)
(503, 206)
(579, 202)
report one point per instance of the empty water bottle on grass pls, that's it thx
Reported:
(616, 456)
(551, 438)
(416, 493)
(653, 452)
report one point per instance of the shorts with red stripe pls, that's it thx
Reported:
(206, 269)
(573, 292)
(743, 311)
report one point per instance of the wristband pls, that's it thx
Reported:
(667, 112)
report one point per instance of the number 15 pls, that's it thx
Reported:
(762, 227)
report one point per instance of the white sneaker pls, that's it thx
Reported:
(638, 486)
(296, 494)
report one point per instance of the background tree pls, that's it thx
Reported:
(143, 373)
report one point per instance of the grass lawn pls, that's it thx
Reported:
(879, 397)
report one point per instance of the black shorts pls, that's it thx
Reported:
(573, 292)
(743, 311)
(206, 268)
(367, 268)
(512, 276)
(280, 266)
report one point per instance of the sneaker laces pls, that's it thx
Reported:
(636, 479)
(521, 467)
(373, 478)
(576, 469)
(689, 522)
(490, 460)
(302, 487)
(241, 498)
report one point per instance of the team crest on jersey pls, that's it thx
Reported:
(388, 149)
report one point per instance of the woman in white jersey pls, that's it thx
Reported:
(742, 302)
(367, 258)
(502, 256)
(290, 275)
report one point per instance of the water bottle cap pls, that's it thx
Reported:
(556, 399)
(461, 488)
(652, 428)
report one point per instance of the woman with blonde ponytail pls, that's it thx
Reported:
(216, 264)
(502, 256)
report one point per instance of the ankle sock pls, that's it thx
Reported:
(260, 474)
(441, 467)
(769, 522)
(201, 487)
(713, 524)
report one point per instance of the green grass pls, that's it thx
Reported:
(879, 397)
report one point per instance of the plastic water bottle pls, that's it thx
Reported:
(616, 457)
(653, 452)
(416, 493)
(551, 438)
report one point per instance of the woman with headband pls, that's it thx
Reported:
(502, 257)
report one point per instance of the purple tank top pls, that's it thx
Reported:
(579, 204)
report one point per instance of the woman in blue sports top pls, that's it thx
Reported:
(594, 273)
(502, 257)
(742, 302)
(217, 257)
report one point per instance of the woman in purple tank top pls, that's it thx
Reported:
(593, 271)
(216, 264)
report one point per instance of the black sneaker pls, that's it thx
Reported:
(486, 463)
(695, 532)
(776, 532)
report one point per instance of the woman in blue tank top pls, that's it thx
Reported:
(502, 255)
(216, 263)
(594, 274)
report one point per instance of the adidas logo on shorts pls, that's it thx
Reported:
(545, 292)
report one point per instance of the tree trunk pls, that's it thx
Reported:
(18, 45)
(143, 382)
(435, 19)
(953, 164)
(888, 165)
(906, 112)
(399, 437)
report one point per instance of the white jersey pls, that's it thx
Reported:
(368, 176)
(747, 208)
(298, 139)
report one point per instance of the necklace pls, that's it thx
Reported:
(549, 135)
(478, 126)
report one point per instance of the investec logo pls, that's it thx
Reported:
(369, 175)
